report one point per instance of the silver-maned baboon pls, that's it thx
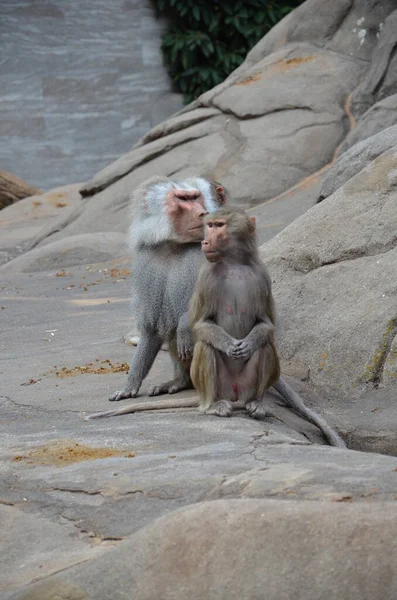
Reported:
(165, 237)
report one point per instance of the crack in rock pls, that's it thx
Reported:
(306, 263)
(374, 369)
(39, 408)
(75, 491)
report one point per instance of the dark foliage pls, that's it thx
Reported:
(206, 40)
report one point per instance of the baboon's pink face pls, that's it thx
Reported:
(186, 210)
(216, 239)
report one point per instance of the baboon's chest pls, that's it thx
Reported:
(236, 302)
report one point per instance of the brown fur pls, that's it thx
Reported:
(234, 281)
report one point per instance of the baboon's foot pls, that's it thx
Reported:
(122, 394)
(256, 409)
(170, 387)
(222, 408)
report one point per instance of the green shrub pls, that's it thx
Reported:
(205, 41)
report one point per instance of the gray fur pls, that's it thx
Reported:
(294, 401)
(163, 278)
(150, 225)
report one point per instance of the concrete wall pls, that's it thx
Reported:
(80, 83)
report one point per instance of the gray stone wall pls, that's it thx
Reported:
(80, 83)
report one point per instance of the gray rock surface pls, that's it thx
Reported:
(351, 27)
(356, 159)
(380, 116)
(272, 126)
(73, 250)
(381, 79)
(61, 354)
(335, 286)
(290, 550)
(36, 218)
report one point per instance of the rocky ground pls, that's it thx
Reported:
(177, 504)
(74, 492)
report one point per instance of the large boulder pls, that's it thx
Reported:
(244, 549)
(252, 141)
(356, 158)
(380, 116)
(73, 250)
(23, 225)
(334, 273)
(381, 79)
(348, 26)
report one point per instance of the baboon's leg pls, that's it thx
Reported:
(147, 350)
(203, 373)
(265, 365)
(181, 380)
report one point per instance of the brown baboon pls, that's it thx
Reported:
(232, 316)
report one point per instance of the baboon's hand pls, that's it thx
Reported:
(122, 394)
(227, 346)
(185, 348)
(184, 344)
(242, 350)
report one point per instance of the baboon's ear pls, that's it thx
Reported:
(252, 221)
(221, 193)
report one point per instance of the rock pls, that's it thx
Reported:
(334, 283)
(380, 80)
(4, 257)
(249, 145)
(176, 134)
(380, 116)
(273, 216)
(31, 220)
(313, 21)
(12, 189)
(277, 123)
(55, 549)
(239, 548)
(74, 250)
(356, 158)
(274, 122)
(351, 28)
(177, 123)
(324, 74)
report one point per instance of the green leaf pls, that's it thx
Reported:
(207, 39)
